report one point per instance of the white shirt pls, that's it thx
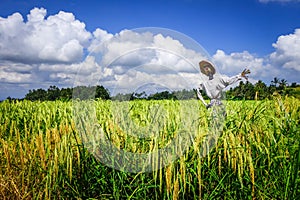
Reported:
(213, 88)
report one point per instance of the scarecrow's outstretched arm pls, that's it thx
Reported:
(200, 97)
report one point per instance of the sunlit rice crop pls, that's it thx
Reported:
(256, 156)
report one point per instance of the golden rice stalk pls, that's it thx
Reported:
(7, 155)
(182, 171)
(55, 163)
(197, 144)
(41, 150)
(232, 147)
(225, 150)
(21, 154)
(252, 172)
(240, 167)
(169, 178)
(242, 155)
(176, 189)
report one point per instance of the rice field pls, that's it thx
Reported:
(44, 154)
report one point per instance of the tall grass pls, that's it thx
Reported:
(257, 156)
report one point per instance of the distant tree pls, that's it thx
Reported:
(84, 92)
(275, 82)
(162, 95)
(261, 90)
(237, 92)
(282, 84)
(34, 95)
(141, 95)
(229, 93)
(53, 93)
(278, 86)
(271, 90)
(242, 91)
(66, 94)
(102, 93)
(90, 92)
(294, 85)
(248, 91)
(283, 87)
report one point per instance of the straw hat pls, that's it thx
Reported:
(203, 64)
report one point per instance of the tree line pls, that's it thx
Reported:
(247, 91)
(65, 94)
(260, 90)
(243, 91)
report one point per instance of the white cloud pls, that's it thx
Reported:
(287, 50)
(134, 58)
(283, 63)
(58, 38)
(87, 72)
(54, 47)
(130, 49)
(100, 36)
(235, 63)
(122, 46)
(15, 77)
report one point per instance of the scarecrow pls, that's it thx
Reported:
(214, 84)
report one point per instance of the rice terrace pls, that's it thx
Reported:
(257, 155)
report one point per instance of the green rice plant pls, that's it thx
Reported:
(43, 155)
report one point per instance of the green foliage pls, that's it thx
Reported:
(175, 95)
(244, 91)
(65, 94)
(260, 90)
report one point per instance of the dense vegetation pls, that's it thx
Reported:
(256, 157)
(65, 94)
(246, 91)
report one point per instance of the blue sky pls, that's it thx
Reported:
(262, 34)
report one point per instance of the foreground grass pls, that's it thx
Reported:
(256, 157)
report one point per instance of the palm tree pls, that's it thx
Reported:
(283, 83)
(282, 87)
(275, 81)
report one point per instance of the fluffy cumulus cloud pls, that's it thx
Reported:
(11, 74)
(235, 63)
(284, 62)
(100, 36)
(287, 50)
(140, 58)
(129, 49)
(57, 38)
(40, 51)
